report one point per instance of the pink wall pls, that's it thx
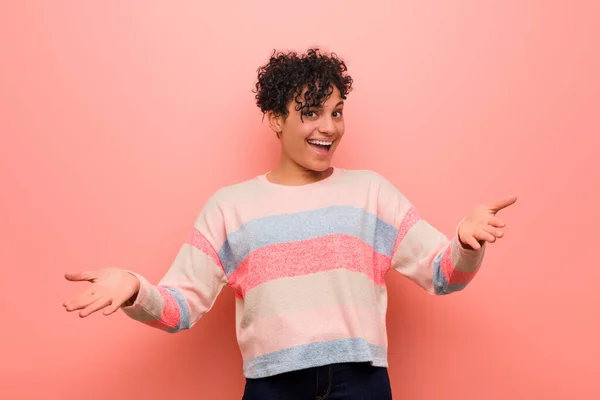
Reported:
(118, 120)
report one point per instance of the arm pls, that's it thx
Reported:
(436, 263)
(423, 254)
(190, 287)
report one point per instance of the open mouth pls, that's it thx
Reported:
(320, 146)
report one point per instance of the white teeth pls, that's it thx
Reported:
(320, 142)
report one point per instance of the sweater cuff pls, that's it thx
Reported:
(142, 303)
(466, 259)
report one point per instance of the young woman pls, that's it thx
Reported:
(306, 248)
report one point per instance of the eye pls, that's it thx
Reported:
(337, 113)
(310, 114)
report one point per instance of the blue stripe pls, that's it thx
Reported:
(313, 355)
(271, 230)
(440, 283)
(184, 312)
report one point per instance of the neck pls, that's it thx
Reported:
(292, 174)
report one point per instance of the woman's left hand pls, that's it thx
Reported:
(482, 225)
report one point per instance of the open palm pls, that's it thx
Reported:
(111, 287)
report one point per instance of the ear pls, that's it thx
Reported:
(275, 122)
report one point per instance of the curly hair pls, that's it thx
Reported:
(286, 75)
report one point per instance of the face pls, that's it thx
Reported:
(308, 141)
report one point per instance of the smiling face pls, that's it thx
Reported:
(302, 96)
(310, 136)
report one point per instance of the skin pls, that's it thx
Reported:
(482, 225)
(298, 164)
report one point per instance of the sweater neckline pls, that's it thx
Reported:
(263, 179)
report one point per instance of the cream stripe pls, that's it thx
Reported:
(465, 259)
(288, 295)
(415, 253)
(194, 274)
(360, 189)
(197, 278)
(320, 324)
(148, 304)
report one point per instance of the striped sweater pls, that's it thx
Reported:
(307, 265)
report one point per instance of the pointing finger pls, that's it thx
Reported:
(502, 204)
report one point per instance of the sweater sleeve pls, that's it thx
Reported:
(438, 264)
(191, 285)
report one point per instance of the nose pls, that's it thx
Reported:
(327, 127)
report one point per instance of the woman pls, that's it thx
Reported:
(306, 248)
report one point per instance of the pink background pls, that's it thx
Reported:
(119, 119)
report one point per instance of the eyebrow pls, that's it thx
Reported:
(340, 103)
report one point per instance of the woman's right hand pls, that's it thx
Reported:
(110, 289)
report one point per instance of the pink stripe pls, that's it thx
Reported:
(286, 260)
(341, 321)
(239, 280)
(199, 241)
(410, 219)
(170, 312)
(452, 274)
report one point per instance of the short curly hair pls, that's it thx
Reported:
(287, 74)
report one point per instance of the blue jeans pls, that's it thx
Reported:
(347, 381)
